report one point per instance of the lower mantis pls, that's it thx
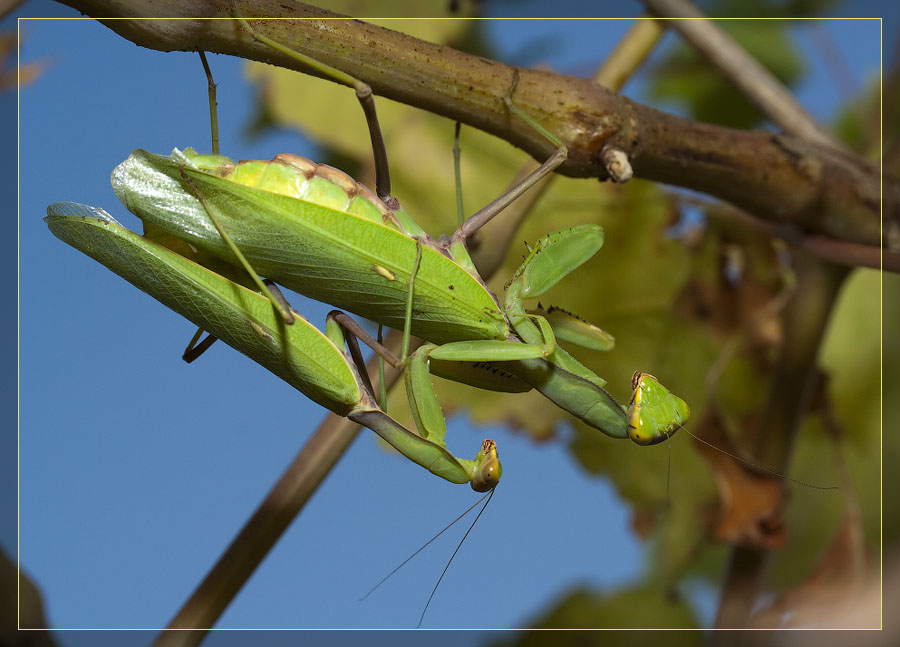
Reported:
(300, 354)
(429, 287)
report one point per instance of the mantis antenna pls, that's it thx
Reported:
(449, 561)
(487, 496)
(755, 465)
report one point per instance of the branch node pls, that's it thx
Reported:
(615, 160)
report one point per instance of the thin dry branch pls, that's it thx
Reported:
(829, 249)
(756, 82)
(775, 177)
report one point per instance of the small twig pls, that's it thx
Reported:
(852, 254)
(616, 162)
(829, 249)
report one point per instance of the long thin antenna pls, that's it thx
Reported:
(443, 530)
(757, 465)
(449, 561)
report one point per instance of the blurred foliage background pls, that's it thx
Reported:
(693, 295)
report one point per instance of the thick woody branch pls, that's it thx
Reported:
(775, 177)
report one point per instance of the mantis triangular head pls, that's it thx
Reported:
(654, 414)
(487, 467)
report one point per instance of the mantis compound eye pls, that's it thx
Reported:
(488, 469)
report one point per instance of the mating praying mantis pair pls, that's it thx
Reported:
(213, 227)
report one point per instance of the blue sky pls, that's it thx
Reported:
(136, 469)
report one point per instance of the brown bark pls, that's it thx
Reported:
(775, 177)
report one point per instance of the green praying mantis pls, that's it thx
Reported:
(300, 354)
(213, 227)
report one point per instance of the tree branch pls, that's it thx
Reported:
(775, 177)
(829, 249)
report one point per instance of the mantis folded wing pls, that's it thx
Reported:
(312, 362)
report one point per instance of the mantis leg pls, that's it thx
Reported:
(194, 350)
(407, 317)
(486, 213)
(350, 332)
(280, 306)
(427, 448)
(366, 100)
(213, 110)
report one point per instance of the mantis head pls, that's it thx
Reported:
(487, 467)
(654, 414)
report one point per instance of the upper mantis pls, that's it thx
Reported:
(315, 230)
